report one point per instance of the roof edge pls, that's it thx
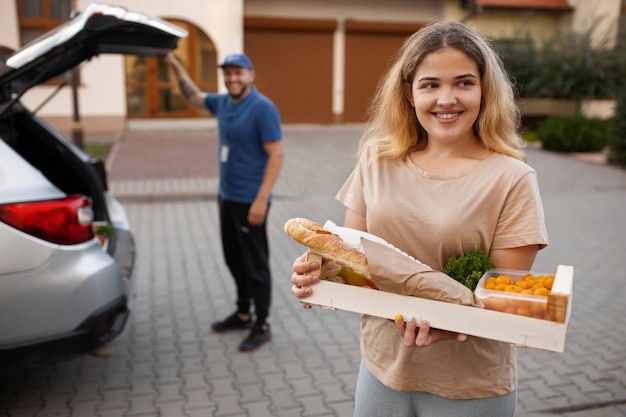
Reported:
(562, 5)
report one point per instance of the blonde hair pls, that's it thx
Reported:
(393, 128)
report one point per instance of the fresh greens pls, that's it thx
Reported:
(468, 268)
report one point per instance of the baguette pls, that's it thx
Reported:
(330, 246)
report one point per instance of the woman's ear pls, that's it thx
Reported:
(406, 89)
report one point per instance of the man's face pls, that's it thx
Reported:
(237, 80)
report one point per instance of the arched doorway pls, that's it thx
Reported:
(151, 90)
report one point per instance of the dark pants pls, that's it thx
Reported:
(246, 252)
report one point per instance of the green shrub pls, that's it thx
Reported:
(564, 66)
(99, 150)
(575, 133)
(530, 136)
(522, 63)
(617, 133)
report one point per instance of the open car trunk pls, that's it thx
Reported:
(100, 29)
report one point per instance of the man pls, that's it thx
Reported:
(250, 158)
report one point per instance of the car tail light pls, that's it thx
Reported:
(65, 221)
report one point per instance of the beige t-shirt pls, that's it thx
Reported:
(432, 217)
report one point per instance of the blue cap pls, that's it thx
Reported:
(238, 60)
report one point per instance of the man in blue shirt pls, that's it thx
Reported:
(250, 158)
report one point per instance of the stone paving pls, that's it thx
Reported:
(168, 363)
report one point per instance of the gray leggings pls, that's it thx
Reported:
(373, 399)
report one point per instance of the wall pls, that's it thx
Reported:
(603, 15)
(510, 23)
(8, 24)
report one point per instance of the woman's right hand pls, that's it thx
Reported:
(303, 277)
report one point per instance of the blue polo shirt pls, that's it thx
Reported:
(243, 128)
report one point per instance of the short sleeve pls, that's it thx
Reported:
(268, 122)
(211, 101)
(352, 194)
(521, 220)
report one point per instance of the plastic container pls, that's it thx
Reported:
(508, 300)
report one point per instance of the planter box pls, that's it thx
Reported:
(544, 107)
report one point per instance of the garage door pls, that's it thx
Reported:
(293, 63)
(370, 49)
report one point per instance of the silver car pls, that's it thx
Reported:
(66, 247)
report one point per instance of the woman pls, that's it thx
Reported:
(440, 172)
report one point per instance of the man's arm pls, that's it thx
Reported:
(258, 209)
(190, 92)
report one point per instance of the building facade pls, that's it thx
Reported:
(318, 60)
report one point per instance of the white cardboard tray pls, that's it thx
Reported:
(518, 330)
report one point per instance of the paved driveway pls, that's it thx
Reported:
(168, 363)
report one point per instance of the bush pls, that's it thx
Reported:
(564, 66)
(617, 133)
(575, 133)
(530, 136)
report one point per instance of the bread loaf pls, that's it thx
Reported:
(330, 246)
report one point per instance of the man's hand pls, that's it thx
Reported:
(190, 92)
(170, 59)
(256, 214)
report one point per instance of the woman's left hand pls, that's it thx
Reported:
(422, 334)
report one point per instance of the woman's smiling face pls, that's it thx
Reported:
(446, 93)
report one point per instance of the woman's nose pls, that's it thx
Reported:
(446, 97)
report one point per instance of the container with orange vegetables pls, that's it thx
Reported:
(516, 292)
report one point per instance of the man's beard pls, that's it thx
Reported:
(243, 91)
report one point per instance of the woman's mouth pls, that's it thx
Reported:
(446, 115)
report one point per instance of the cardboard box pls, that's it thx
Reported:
(511, 328)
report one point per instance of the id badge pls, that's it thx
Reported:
(224, 154)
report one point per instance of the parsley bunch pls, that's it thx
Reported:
(469, 268)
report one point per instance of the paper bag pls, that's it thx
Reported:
(395, 272)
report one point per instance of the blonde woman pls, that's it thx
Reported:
(441, 171)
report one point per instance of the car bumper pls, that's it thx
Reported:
(97, 330)
(79, 292)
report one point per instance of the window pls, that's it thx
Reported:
(37, 17)
(151, 88)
